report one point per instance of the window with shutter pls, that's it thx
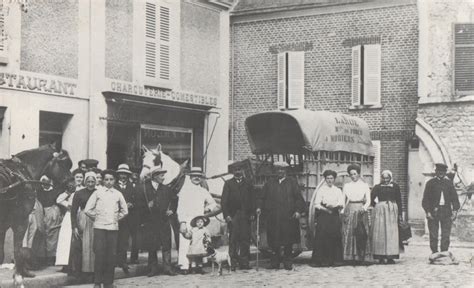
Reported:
(290, 80)
(376, 148)
(281, 81)
(295, 80)
(3, 35)
(464, 59)
(366, 74)
(157, 46)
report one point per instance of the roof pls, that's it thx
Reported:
(257, 6)
(296, 131)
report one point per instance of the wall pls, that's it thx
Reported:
(328, 73)
(119, 37)
(49, 38)
(200, 49)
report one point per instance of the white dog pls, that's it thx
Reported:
(219, 258)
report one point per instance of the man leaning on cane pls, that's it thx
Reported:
(440, 202)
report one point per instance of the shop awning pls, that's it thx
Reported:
(293, 132)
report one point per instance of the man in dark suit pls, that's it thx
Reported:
(440, 202)
(282, 204)
(238, 204)
(129, 225)
(156, 204)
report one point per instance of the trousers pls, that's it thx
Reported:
(239, 246)
(441, 217)
(105, 249)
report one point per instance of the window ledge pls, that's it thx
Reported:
(3, 60)
(365, 107)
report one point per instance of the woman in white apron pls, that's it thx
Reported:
(65, 233)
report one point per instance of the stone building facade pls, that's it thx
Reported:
(328, 34)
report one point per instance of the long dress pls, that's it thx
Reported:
(192, 201)
(65, 233)
(328, 237)
(84, 245)
(385, 242)
(356, 230)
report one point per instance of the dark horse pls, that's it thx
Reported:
(18, 178)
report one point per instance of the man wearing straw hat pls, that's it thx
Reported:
(193, 200)
(282, 204)
(156, 204)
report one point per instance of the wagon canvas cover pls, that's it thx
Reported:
(298, 130)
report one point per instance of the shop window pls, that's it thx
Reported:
(176, 142)
(52, 127)
(291, 80)
(366, 75)
(464, 59)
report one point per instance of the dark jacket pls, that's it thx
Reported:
(163, 199)
(387, 193)
(279, 201)
(237, 196)
(130, 195)
(432, 194)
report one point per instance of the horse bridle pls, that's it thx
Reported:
(23, 180)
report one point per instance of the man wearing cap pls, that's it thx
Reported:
(129, 225)
(87, 164)
(440, 202)
(193, 201)
(238, 207)
(155, 204)
(282, 205)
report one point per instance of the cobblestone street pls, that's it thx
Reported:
(412, 270)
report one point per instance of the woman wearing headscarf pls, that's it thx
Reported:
(387, 200)
(327, 201)
(356, 246)
(82, 227)
(65, 233)
(52, 217)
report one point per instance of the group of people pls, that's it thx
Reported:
(88, 227)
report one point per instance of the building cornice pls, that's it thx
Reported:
(311, 10)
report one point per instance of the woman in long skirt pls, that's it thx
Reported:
(65, 233)
(328, 201)
(82, 227)
(356, 231)
(387, 200)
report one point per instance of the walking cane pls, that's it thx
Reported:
(258, 236)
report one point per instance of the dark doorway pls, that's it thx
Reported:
(123, 146)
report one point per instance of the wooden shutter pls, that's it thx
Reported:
(281, 81)
(151, 41)
(3, 34)
(296, 80)
(376, 148)
(464, 58)
(372, 74)
(356, 75)
(164, 42)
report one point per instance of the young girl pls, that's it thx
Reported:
(200, 240)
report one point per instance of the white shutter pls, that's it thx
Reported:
(372, 74)
(164, 42)
(295, 79)
(376, 148)
(356, 75)
(3, 34)
(281, 81)
(151, 42)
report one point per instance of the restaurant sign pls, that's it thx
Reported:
(155, 93)
(38, 83)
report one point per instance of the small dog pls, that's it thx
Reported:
(219, 258)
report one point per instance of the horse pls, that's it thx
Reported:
(18, 177)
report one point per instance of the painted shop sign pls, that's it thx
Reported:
(40, 84)
(151, 92)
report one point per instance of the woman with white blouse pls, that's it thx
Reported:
(356, 246)
(328, 202)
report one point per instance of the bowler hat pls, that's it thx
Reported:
(196, 171)
(124, 168)
(157, 170)
(204, 218)
(441, 167)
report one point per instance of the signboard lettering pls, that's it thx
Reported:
(36, 84)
